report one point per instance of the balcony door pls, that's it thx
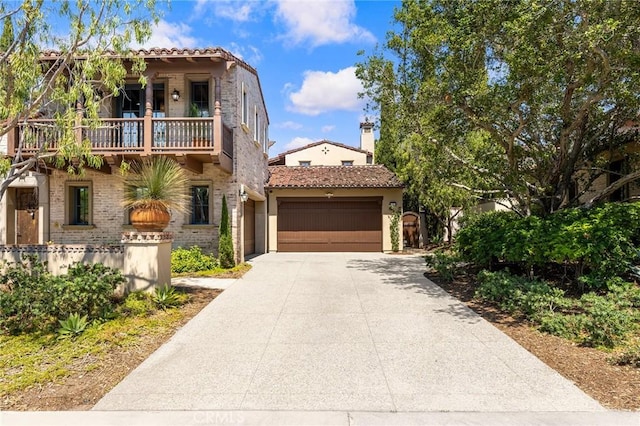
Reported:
(131, 105)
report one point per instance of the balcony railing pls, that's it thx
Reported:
(148, 135)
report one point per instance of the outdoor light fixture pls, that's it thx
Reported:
(392, 205)
(329, 194)
(175, 95)
(243, 194)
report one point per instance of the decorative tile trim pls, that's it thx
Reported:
(62, 249)
(144, 237)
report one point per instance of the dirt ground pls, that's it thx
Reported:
(82, 390)
(615, 387)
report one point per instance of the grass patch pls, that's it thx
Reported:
(236, 272)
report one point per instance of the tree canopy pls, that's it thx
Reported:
(512, 100)
(91, 42)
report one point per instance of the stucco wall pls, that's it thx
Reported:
(388, 195)
(326, 154)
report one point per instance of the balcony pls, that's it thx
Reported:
(192, 141)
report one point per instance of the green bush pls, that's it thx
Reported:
(226, 253)
(137, 303)
(445, 264)
(512, 293)
(597, 244)
(629, 356)
(609, 320)
(593, 320)
(569, 326)
(32, 299)
(191, 260)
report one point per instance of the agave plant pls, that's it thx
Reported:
(151, 189)
(157, 183)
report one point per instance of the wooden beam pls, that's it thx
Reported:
(190, 163)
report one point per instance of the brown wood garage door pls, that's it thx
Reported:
(321, 225)
(249, 227)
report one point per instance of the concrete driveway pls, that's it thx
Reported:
(342, 332)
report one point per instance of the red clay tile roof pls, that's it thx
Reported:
(280, 157)
(170, 53)
(371, 176)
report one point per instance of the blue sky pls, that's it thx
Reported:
(304, 51)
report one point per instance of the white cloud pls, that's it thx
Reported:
(233, 10)
(327, 91)
(320, 22)
(297, 143)
(169, 34)
(328, 128)
(291, 125)
(250, 54)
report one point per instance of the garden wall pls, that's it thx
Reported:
(143, 257)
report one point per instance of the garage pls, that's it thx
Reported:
(349, 224)
(249, 227)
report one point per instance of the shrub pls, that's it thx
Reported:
(608, 320)
(87, 290)
(597, 243)
(566, 326)
(191, 260)
(26, 298)
(166, 297)
(137, 303)
(532, 298)
(481, 237)
(32, 299)
(629, 356)
(226, 253)
(445, 264)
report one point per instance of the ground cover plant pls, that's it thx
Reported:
(570, 274)
(193, 262)
(76, 329)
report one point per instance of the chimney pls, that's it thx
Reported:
(367, 141)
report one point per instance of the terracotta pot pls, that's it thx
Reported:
(149, 220)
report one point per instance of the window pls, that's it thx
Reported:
(200, 205)
(200, 98)
(79, 203)
(256, 122)
(245, 107)
(265, 139)
(347, 162)
(305, 163)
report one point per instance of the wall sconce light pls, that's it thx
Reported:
(329, 194)
(392, 205)
(243, 194)
(175, 95)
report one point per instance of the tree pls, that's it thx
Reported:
(85, 64)
(226, 253)
(545, 88)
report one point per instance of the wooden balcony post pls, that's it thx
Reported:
(147, 128)
(217, 118)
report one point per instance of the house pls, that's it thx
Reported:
(202, 107)
(327, 153)
(327, 196)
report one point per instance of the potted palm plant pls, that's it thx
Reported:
(152, 188)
